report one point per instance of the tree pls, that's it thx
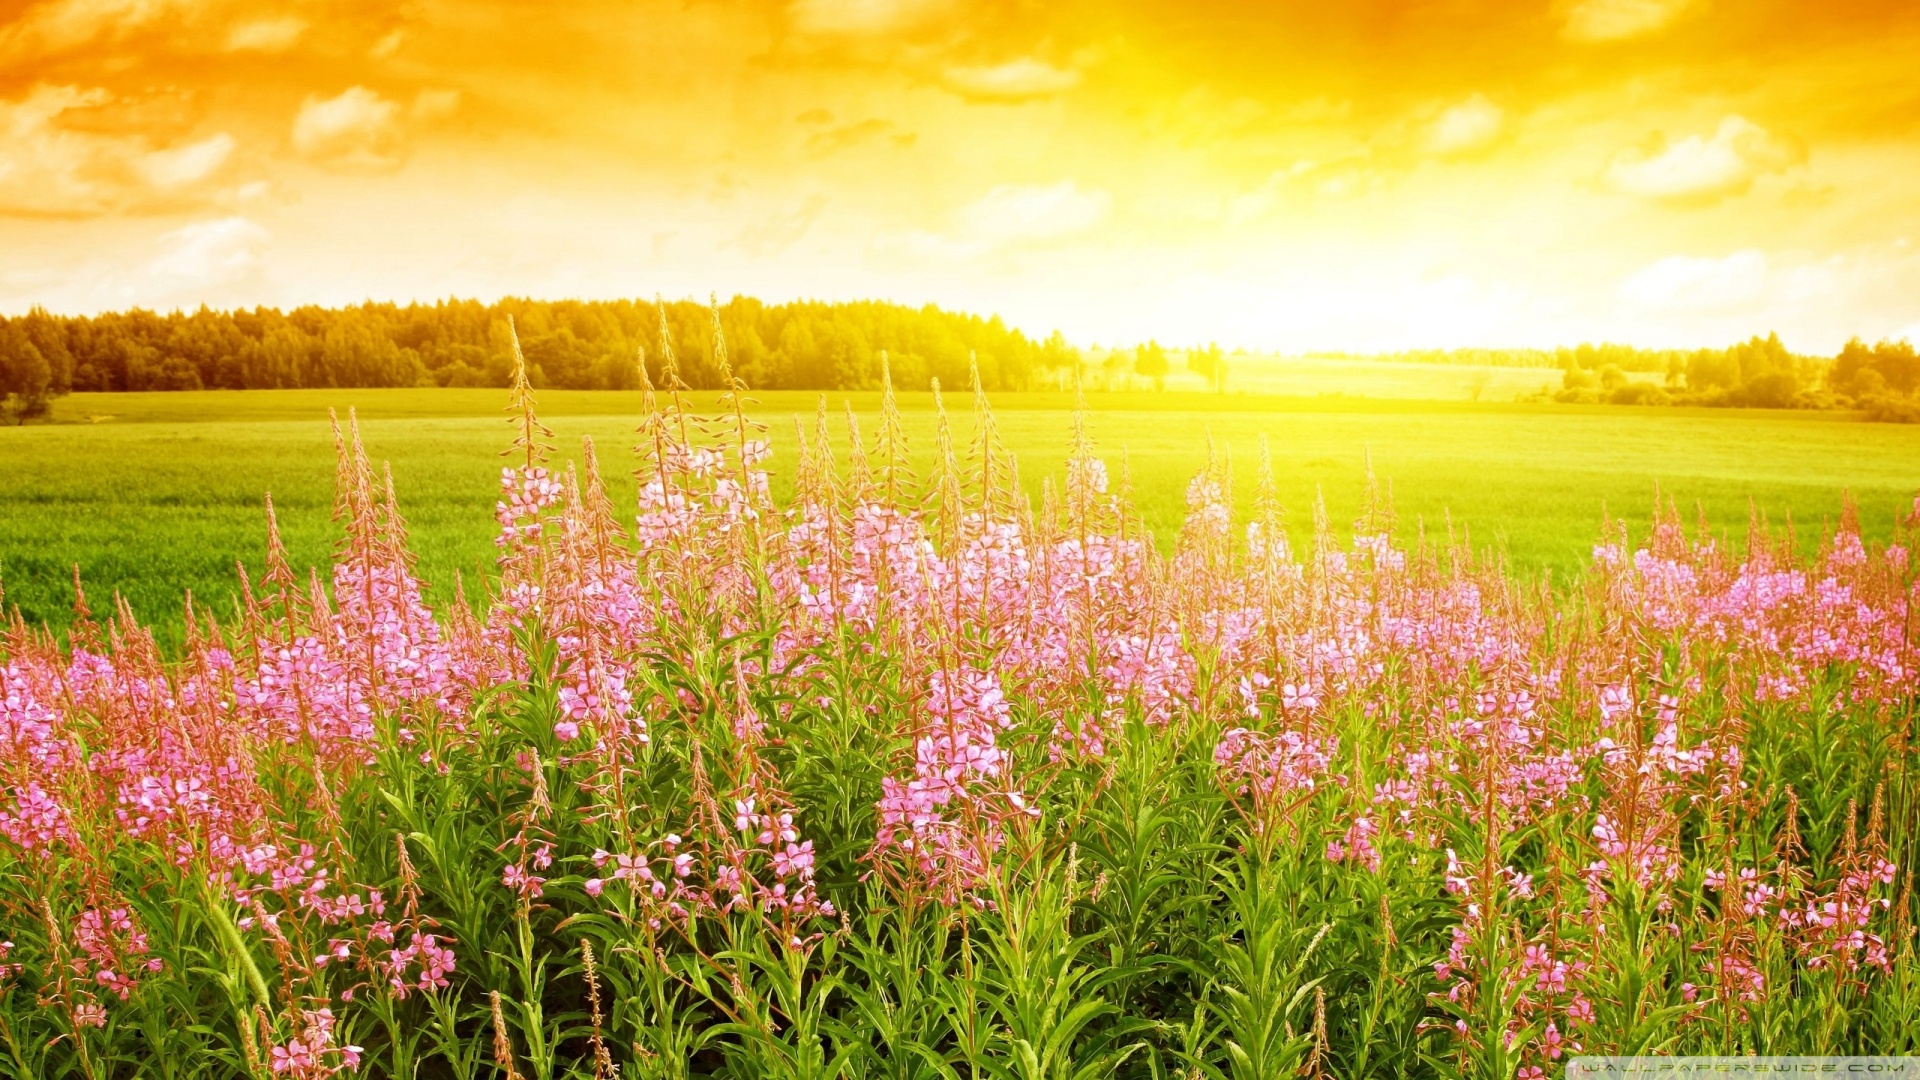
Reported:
(1150, 360)
(1061, 358)
(281, 359)
(26, 377)
(50, 338)
(574, 344)
(1210, 364)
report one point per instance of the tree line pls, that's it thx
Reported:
(1586, 355)
(569, 344)
(1881, 380)
(805, 345)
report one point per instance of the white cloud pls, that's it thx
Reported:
(1015, 80)
(861, 18)
(1467, 128)
(1613, 20)
(67, 24)
(51, 165)
(1343, 179)
(1017, 213)
(271, 35)
(1681, 283)
(781, 231)
(1011, 216)
(1203, 117)
(189, 164)
(388, 45)
(844, 137)
(358, 130)
(1700, 169)
(217, 252)
(435, 104)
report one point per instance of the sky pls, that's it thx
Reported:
(1287, 175)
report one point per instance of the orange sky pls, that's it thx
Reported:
(1363, 175)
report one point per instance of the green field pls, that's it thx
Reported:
(155, 494)
(1317, 376)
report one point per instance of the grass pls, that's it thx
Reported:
(152, 495)
(1313, 376)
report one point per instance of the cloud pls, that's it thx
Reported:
(1614, 20)
(206, 253)
(388, 45)
(1204, 117)
(782, 231)
(44, 168)
(68, 24)
(1681, 283)
(848, 136)
(270, 35)
(1467, 128)
(187, 165)
(861, 18)
(357, 131)
(1699, 170)
(435, 104)
(1018, 213)
(1352, 177)
(1009, 217)
(62, 155)
(1016, 80)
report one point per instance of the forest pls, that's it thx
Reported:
(804, 345)
(570, 344)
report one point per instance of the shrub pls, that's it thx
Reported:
(1637, 394)
(1891, 409)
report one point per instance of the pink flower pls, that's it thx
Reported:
(794, 859)
(516, 877)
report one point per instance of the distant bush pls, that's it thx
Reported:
(1575, 380)
(1637, 394)
(1891, 409)
(1759, 373)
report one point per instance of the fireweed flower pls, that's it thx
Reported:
(644, 691)
(948, 818)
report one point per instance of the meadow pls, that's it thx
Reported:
(1311, 376)
(153, 495)
(890, 776)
